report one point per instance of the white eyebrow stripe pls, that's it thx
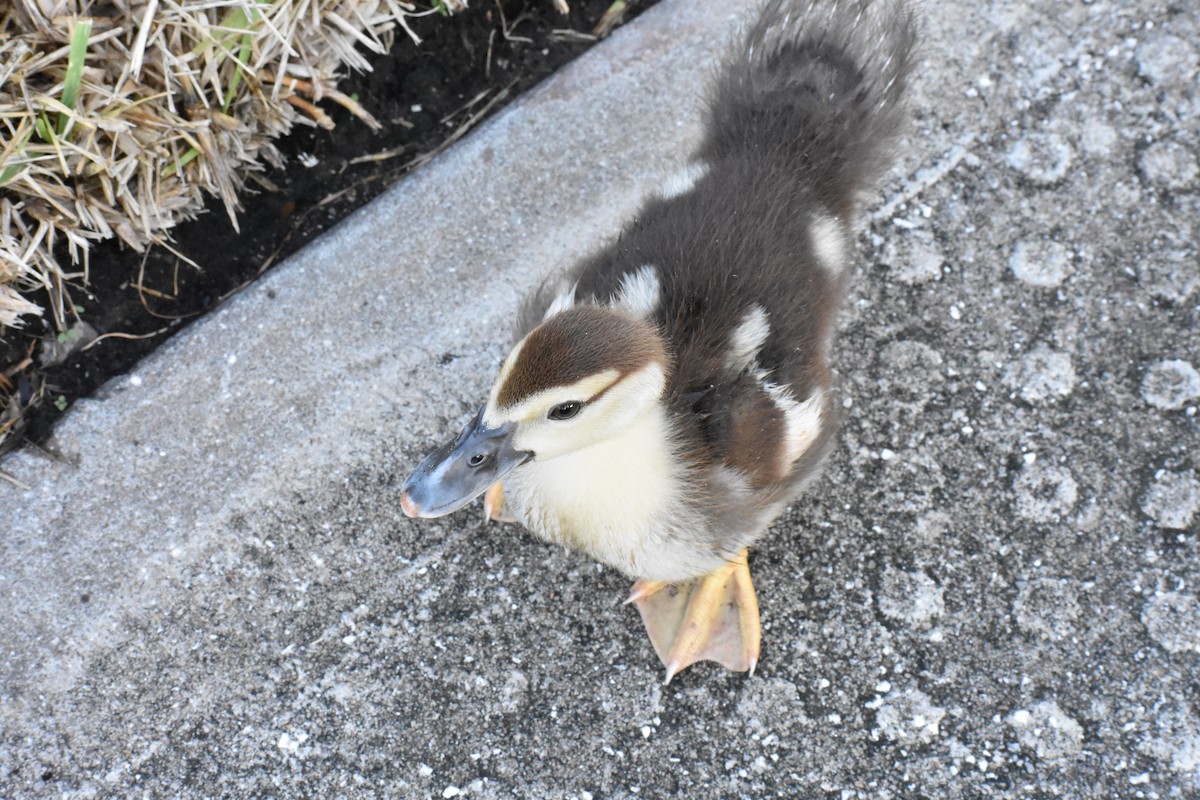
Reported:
(584, 389)
(747, 339)
(639, 293)
(828, 243)
(683, 180)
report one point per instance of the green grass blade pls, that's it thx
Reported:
(44, 131)
(75, 62)
(11, 172)
(184, 160)
(16, 164)
(243, 57)
(235, 20)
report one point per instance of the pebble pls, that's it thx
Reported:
(512, 695)
(1171, 385)
(1040, 262)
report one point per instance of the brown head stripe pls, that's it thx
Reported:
(579, 342)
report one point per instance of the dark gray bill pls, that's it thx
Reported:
(461, 470)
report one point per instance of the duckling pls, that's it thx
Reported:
(670, 395)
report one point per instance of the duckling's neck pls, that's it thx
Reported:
(608, 499)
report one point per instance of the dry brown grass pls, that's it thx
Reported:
(116, 117)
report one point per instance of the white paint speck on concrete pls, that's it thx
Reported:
(912, 598)
(1045, 493)
(1170, 385)
(913, 257)
(1169, 165)
(908, 716)
(1173, 499)
(1043, 158)
(1098, 138)
(1168, 60)
(1171, 272)
(1173, 621)
(1041, 376)
(1044, 263)
(1047, 730)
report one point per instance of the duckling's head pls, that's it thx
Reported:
(583, 376)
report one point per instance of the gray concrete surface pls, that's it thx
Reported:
(994, 590)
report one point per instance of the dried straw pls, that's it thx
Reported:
(116, 116)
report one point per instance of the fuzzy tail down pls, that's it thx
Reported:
(818, 84)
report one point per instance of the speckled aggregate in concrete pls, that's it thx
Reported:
(993, 591)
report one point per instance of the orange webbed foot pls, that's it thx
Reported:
(712, 618)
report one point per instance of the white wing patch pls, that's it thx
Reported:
(747, 339)
(561, 302)
(683, 180)
(801, 422)
(829, 244)
(639, 293)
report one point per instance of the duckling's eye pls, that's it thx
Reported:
(565, 410)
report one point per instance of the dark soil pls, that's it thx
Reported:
(421, 95)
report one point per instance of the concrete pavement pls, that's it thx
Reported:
(993, 591)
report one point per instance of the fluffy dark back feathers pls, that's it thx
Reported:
(819, 83)
(802, 121)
